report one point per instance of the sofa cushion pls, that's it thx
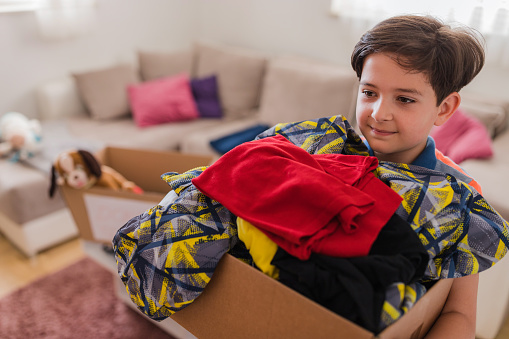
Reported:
(296, 89)
(239, 74)
(155, 65)
(124, 132)
(230, 141)
(162, 100)
(24, 192)
(463, 137)
(104, 91)
(205, 93)
(493, 113)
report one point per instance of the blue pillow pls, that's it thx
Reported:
(228, 142)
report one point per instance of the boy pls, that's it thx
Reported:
(410, 70)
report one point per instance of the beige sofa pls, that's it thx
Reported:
(253, 88)
(92, 108)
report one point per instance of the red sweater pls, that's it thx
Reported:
(325, 203)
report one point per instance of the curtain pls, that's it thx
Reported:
(18, 5)
(61, 19)
(490, 18)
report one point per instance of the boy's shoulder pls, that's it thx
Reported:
(433, 159)
(447, 165)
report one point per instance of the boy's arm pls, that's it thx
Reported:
(457, 319)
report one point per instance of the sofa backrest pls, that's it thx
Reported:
(493, 113)
(239, 75)
(158, 64)
(297, 89)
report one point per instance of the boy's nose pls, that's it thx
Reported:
(381, 111)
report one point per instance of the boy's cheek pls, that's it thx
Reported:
(361, 113)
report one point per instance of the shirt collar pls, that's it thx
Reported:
(426, 159)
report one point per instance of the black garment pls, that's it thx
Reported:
(355, 287)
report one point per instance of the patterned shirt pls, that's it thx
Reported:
(167, 255)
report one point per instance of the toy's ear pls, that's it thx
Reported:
(91, 162)
(53, 181)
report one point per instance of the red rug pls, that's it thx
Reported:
(76, 302)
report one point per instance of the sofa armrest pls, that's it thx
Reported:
(59, 99)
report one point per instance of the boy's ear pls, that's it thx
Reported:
(447, 108)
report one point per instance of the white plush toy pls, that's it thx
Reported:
(19, 136)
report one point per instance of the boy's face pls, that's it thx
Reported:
(396, 109)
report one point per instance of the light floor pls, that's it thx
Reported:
(16, 270)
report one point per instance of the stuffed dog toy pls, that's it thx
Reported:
(80, 169)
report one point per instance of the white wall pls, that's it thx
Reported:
(121, 27)
(302, 27)
(305, 27)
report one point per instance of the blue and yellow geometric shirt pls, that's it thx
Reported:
(167, 255)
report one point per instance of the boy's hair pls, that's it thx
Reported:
(449, 57)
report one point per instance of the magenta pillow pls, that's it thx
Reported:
(162, 100)
(462, 137)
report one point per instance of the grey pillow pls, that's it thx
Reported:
(104, 91)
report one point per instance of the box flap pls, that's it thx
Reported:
(115, 210)
(145, 167)
(240, 301)
(74, 200)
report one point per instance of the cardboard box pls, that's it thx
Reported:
(242, 302)
(239, 301)
(99, 212)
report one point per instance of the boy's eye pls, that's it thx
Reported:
(368, 93)
(406, 100)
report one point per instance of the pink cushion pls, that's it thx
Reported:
(162, 100)
(462, 137)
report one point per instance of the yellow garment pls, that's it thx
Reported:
(261, 248)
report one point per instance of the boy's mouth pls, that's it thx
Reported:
(381, 131)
